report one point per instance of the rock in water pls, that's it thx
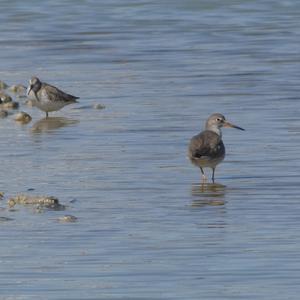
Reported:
(18, 89)
(67, 219)
(5, 98)
(98, 106)
(3, 113)
(11, 105)
(23, 117)
(3, 85)
(44, 201)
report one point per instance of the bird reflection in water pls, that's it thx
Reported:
(51, 123)
(208, 195)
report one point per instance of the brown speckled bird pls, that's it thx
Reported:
(47, 97)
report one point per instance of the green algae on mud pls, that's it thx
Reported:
(42, 201)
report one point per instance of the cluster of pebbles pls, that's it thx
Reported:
(8, 104)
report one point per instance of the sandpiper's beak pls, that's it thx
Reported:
(29, 89)
(229, 125)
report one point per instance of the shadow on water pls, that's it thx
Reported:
(208, 194)
(51, 124)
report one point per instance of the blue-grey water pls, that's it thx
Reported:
(146, 229)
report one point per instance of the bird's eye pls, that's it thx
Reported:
(218, 119)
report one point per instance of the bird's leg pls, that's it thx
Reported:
(213, 175)
(203, 176)
(46, 114)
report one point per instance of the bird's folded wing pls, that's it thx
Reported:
(207, 143)
(55, 94)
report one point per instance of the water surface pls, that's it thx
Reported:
(146, 229)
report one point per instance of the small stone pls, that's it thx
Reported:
(1, 195)
(39, 209)
(67, 219)
(3, 85)
(18, 89)
(98, 106)
(3, 113)
(5, 98)
(11, 105)
(23, 117)
(11, 203)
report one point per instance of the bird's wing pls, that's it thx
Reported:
(206, 144)
(55, 94)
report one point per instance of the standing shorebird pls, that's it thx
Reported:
(206, 149)
(47, 97)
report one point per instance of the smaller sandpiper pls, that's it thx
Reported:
(47, 97)
(206, 149)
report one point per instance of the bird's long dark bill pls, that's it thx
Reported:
(36, 96)
(29, 89)
(227, 124)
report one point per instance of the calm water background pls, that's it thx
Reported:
(145, 229)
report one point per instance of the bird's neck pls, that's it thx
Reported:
(215, 129)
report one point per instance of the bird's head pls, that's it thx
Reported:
(34, 85)
(216, 121)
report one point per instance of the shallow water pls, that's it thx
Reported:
(146, 229)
